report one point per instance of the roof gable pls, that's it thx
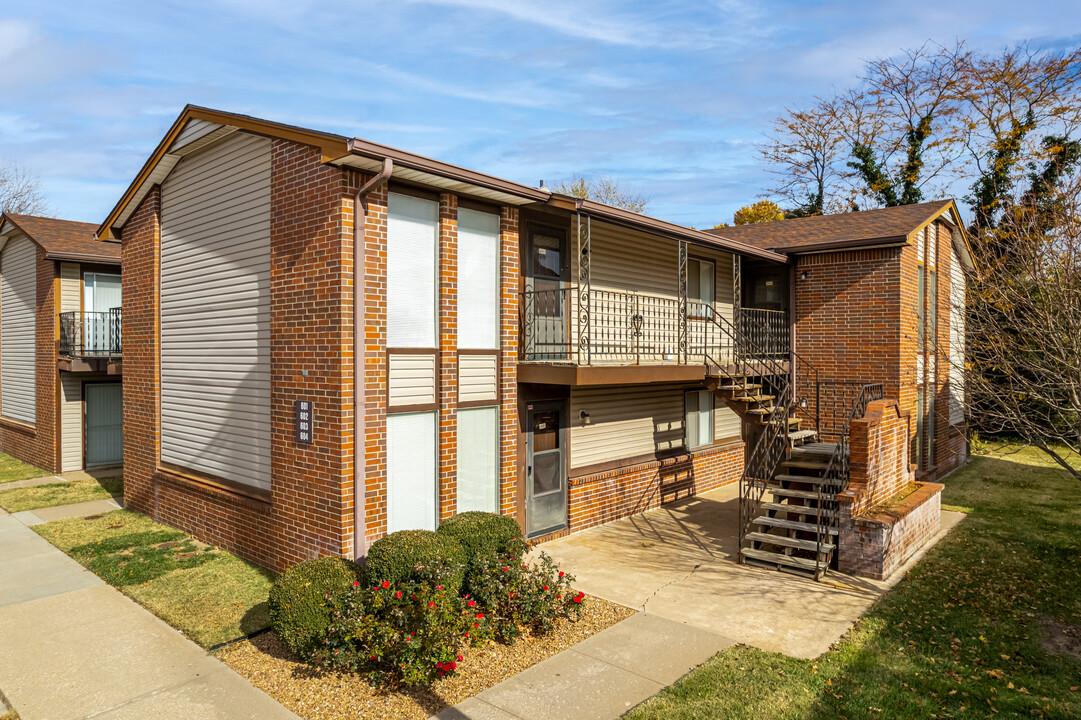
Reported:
(63, 239)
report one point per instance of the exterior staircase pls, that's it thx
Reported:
(747, 399)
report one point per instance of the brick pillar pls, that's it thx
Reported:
(375, 364)
(510, 262)
(141, 257)
(448, 355)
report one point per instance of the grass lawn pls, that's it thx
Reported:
(966, 634)
(61, 493)
(206, 593)
(12, 470)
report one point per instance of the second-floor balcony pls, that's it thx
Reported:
(91, 335)
(570, 325)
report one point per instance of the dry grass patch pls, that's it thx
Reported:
(61, 493)
(208, 594)
(315, 693)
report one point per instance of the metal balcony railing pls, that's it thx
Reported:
(570, 325)
(92, 335)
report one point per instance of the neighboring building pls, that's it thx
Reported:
(60, 360)
(556, 360)
(879, 294)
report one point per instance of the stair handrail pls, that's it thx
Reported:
(836, 476)
(772, 445)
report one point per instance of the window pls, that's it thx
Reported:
(700, 277)
(411, 471)
(478, 279)
(698, 425)
(921, 298)
(929, 423)
(478, 447)
(917, 447)
(412, 245)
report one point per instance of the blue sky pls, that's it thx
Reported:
(668, 97)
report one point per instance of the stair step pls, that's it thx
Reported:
(792, 422)
(805, 494)
(809, 479)
(748, 386)
(754, 398)
(800, 434)
(788, 542)
(762, 411)
(806, 464)
(797, 509)
(780, 559)
(792, 525)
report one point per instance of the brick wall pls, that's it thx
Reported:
(605, 496)
(510, 502)
(375, 365)
(309, 512)
(448, 355)
(879, 457)
(39, 444)
(875, 545)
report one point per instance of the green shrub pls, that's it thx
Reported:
(483, 534)
(409, 631)
(298, 606)
(415, 555)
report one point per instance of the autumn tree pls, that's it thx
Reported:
(763, 211)
(20, 190)
(1023, 357)
(605, 190)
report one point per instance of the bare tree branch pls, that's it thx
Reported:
(20, 190)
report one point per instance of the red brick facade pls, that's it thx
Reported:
(39, 444)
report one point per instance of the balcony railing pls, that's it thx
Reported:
(567, 325)
(93, 335)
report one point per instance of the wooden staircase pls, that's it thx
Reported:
(796, 531)
(746, 397)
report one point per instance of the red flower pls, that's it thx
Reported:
(560, 573)
(386, 584)
(398, 594)
(431, 604)
(480, 615)
(452, 665)
(355, 584)
(578, 598)
(545, 587)
(438, 587)
(472, 603)
(459, 658)
(506, 569)
(476, 624)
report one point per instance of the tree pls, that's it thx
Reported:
(20, 191)
(605, 190)
(763, 211)
(1023, 365)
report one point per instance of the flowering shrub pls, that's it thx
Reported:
(299, 612)
(409, 632)
(520, 596)
(398, 556)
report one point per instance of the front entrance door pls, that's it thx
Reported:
(104, 424)
(546, 468)
(547, 295)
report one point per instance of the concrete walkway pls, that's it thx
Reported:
(599, 678)
(95, 474)
(63, 512)
(72, 647)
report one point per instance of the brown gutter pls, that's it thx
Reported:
(77, 257)
(360, 215)
(375, 151)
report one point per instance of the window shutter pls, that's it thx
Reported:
(478, 279)
(412, 245)
(477, 449)
(411, 471)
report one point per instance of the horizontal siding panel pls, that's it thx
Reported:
(71, 422)
(215, 311)
(193, 130)
(478, 378)
(411, 380)
(625, 422)
(726, 423)
(71, 291)
(18, 323)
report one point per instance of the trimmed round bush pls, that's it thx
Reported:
(299, 612)
(397, 556)
(483, 533)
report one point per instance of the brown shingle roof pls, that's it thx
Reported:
(65, 239)
(867, 227)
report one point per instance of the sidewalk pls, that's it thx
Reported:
(72, 647)
(601, 677)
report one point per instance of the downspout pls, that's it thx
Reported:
(360, 215)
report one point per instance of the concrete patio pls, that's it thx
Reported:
(679, 562)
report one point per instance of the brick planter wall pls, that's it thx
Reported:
(873, 545)
(605, 496)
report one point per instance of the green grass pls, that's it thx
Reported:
(960, 636)
(12, 470)
(208, 594)
(61, 493)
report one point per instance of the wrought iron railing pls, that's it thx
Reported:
(586, 327)
(835, 478)
(91, 334)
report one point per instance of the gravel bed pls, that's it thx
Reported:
(315, 693)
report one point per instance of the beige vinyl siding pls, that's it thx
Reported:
(625, 421)
(726, 424)
(71, 422)
(411, 380)
(71, 287)
(215, 312)
(18, 290)
(957, 341)
(478, 378)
